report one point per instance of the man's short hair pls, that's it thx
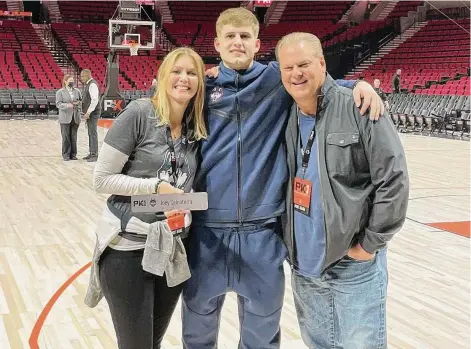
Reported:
(86, 71)
(297, 37)
(237, 17)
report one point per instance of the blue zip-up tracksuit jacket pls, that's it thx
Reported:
(243, 166)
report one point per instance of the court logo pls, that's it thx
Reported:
(217, 93)
(114, 104)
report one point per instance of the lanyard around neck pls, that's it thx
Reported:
(173, 157)
(306, 153)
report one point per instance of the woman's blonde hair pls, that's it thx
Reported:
(194, 111)
(64, 80)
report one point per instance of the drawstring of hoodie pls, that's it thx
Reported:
(234, 265)
(237, 259)
(234, 239)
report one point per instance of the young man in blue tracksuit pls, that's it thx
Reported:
(235, 245)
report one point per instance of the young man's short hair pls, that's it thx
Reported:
(237, 17)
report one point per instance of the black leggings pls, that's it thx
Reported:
(141, 304)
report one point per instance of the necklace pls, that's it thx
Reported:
(176, 133)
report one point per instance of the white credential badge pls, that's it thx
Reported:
(169, 202)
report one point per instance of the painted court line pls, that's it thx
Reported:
(105, 123)
(33, 339)
(459, 228)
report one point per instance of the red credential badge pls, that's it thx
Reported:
(302, 195)
(176, 223)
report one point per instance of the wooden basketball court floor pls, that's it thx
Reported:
(48, 213)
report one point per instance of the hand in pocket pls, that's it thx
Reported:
(358, 253)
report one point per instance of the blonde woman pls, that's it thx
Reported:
(151, 148)
(68, 102)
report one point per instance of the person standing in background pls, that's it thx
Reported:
(380, 92)
(396, 82)
(92, 110)
(153, 87)
(68, 102)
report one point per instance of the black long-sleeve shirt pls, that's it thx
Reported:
(396, 83)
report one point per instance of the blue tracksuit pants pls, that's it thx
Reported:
(247, 261)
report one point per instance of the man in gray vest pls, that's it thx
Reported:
(91, 108)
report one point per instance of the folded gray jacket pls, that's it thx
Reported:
(165, 253)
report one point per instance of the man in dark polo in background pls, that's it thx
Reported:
(92, 110)
(380, 92)
(396, 81)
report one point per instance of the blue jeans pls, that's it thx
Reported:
(346, 307)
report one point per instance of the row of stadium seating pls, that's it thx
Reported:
(29, 103)
(403, 7)
(86, 46)
(10, 74)
(450, 12)
(20, 36)
(439, 104)
(41, 104)
(431, 114)
(82, 11)
(446, 57)
(459, 86)
(194, 22)
(27, 60)
(197, 11)
(303, 11)
(441, 115)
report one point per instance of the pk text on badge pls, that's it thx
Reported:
(168, 202)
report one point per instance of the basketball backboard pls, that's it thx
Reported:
(122, 32)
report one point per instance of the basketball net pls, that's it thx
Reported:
(133, 48)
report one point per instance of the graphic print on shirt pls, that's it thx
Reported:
(217, 93)
(183, 171)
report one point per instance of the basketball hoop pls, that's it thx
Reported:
(133, 48)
